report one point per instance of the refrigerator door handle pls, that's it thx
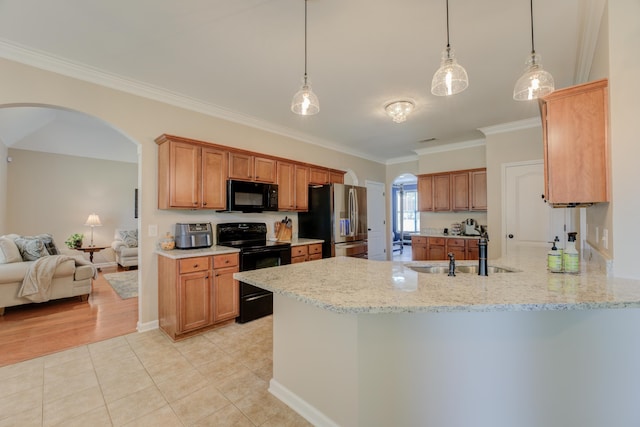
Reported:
(353, 220)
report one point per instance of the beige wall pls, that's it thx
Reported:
(3, 188)
(54, 193)
(143, 120)
(506, 147)
(624, 90)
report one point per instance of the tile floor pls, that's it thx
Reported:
(218, 378)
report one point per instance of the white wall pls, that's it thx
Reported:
(55, 193)
(3, 188)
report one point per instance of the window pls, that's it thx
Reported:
(407, 211)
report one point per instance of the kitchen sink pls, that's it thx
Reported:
(462, 269)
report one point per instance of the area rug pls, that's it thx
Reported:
(125, 283)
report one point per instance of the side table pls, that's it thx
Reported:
(91, 250)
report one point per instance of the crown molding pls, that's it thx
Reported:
(450, 147)
(45, 61)
(512, 126)
(405, 159)
(591, 12)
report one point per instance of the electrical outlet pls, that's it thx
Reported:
(153, 230)
(605, 238)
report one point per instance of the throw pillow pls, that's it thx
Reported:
(31, 248)
(129, 237)
(9, 252)
(49, 244)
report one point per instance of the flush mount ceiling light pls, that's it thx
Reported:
(399, 110)
(305, 102)
(451, 77)
(535, 82)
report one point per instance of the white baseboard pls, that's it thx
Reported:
(307, 411)
(147, 326)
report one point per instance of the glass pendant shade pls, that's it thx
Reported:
(305, 102)
(535, 82)
(451, 77)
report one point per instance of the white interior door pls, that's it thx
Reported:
(376, 221)
(528, 220)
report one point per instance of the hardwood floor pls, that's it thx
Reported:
(33, 330)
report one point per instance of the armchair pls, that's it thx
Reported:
(125, 246)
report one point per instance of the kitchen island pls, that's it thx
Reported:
(374, 343)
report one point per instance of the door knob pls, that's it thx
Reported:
(511, 236)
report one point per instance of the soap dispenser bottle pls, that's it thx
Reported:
(571, 257)
(554, 258)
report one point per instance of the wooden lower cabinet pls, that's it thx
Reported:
(304, 253)
(437, 248)
(197, 292)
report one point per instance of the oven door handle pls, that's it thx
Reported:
(261, 251)
(257, 297)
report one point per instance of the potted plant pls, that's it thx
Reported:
(74, 241)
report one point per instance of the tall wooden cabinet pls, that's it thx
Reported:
(575, 137)
(293, 187)
(197, 292)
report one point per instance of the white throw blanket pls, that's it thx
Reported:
(36, 285)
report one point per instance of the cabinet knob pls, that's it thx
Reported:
(204, 203)
(226, 261)
(195, 265)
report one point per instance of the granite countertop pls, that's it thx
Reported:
(302, 241)
(352, 285)
(190, 253)
(448, 236)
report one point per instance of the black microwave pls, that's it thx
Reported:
(244, 196)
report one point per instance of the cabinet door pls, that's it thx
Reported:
(457, 248)
(184, 172)
(472, 249)
(478, 190)
(436, 253)
(240, 166)
(318, 176)
(442, 192)
(194, 301)
(419, 248)
(302, 188)
(574, 122)
(336, 177)
(226, 294)
(286, 187)
(214, 178)
(264, 170)
(460, 191)
(425, 193)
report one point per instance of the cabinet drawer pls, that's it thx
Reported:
(298, 251)
(472, 243)
(297, 259)
(456, 242)
(419, 240)
(436, 241)
(189, 265)
(313, 257)
(316, 248)
(227, 260)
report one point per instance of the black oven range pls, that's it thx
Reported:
(255, 252)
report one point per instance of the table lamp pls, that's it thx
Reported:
(93, 221)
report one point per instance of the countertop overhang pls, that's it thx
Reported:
(355, 286)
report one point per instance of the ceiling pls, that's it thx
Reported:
(244, 60)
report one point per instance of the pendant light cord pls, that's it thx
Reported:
(448, 46)
(305, 42)
(533, 50)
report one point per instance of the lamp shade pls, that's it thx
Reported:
(535, 82)
(93, 221)
(451, 77)
(305, 102)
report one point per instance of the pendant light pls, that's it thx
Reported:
(451, 77)
(305, 102)
(535, 82)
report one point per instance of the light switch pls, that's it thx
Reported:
(153, 230)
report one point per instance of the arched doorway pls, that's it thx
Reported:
(405, 218)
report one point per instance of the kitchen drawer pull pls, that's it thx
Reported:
(195, 265)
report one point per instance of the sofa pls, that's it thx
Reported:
(125, 246)
(70, 276)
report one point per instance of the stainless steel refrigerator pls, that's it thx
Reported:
(338, 215)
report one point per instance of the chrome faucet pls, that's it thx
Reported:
(452, 264)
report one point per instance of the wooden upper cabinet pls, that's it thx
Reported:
(478, 190)
(336, 177)
(318, 176)
(460, 191)
(247, 167)
(301, 188)
(576, 158)
(214, 178)
(425, 193)
(442, 192)
(286, 186)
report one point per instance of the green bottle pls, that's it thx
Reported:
(571, 257)
(554, 258)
